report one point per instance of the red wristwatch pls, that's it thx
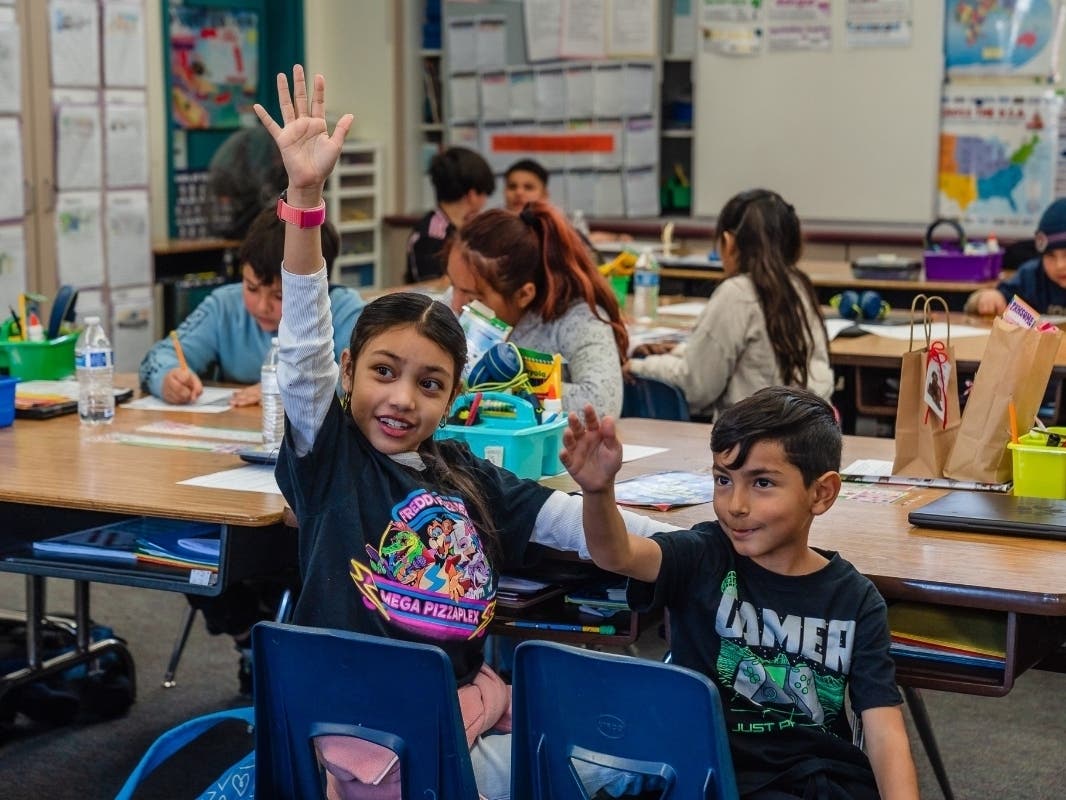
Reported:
(301, 217)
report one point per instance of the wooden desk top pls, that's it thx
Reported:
(1005, 573)
(878, 351)
(167, 247)
(56, 462)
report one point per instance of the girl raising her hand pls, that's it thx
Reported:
(384, 510)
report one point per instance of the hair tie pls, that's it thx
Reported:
(527, 216)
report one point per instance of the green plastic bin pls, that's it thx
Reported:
(47, 361)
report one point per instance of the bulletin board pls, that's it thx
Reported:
(592, 122)
(846, 135)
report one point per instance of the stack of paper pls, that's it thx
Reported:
(963, 636)
(601, 600)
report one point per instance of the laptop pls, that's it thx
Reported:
(990, 512)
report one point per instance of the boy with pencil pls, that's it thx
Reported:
(782, 628)
(228, 335)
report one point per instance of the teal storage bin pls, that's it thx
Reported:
(507, 434)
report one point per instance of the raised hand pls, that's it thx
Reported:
(592, 453)
(307, 149)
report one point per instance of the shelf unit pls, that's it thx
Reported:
(353, 203)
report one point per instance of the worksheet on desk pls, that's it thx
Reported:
(253, 478)
(214, 400)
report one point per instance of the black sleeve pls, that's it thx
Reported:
(872, 680)
(686, 555)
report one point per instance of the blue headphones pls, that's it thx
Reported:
(866, 306)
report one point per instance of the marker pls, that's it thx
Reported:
(177, 349)
(472, 416)
(1013, 415)
(606, 630)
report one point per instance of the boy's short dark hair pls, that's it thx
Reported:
(458, 170)
(800, 420)
(528, 165)
(264, 246)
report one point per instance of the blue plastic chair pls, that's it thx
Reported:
(648, 397)
(616, 711)
(313, 681)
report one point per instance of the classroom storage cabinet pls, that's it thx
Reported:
(353, 203)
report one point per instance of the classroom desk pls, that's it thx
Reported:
(60, 477)
(829, 278)
(1023, 579)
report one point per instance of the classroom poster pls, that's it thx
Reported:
(878, 23)
(805, 25)
(214, 66)
(999, 37)
(998, 158)
(732, 27)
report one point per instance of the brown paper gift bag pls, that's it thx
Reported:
(928, 377)
(1016, 365)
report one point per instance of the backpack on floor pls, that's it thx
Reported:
(86, 692)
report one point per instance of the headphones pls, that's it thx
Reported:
(866, 306)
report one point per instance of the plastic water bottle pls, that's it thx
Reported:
(94, 362)
(270, 397)
(645, 288)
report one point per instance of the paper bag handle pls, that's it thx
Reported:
(927, 315)
(914, 310)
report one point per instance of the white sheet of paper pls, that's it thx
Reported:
(612, 159)
(126, 140)
(12, 260)
(495, 97)
(521, 94)
(461, 45)
(834, 325)
(580, 91)
(214, 400)
(11, 201)
(608, 198)
(129, 246)
(632, 28)
(491, 43)
(639, 89)
(610, 90)
(10, 68)
(124, 44)
(543, 19)
(581, 190)
(74, 39)
(80, 240)
(462, 98)
(641, 148)
(584, 29)
(79, 147)
(550, 91)
(938, 330)
(641, 192)
(132, 332)
(631, 452)
(253, 478)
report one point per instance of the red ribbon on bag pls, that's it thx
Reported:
(939, 354)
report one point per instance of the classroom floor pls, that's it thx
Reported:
(1006, 748)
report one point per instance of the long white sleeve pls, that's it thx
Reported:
(559, 524)
(307, 373)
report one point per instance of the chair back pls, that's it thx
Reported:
(313, 681)
(616, 711)
(648, 397)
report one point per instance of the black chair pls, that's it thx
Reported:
(648, 397)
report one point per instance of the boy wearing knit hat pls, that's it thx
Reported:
(1041, 282)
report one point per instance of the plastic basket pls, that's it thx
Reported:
(620, 284)
(513, 441)
(46, 361)
(7, 401)
(950, 262)
(1039, 470)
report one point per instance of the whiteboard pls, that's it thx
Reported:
(844, 135)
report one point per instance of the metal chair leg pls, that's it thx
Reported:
(925, 732)
(179, 646)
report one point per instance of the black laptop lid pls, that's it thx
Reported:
(990, 512)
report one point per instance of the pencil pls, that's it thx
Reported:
(606, 630)
(177, 349)
(1013, 414)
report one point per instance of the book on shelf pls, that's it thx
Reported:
(965, 635)
(513, 591)
(179, 544)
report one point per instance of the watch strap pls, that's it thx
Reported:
(301, 217)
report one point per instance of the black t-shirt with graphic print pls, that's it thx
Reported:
(781, 649)
(383, 553)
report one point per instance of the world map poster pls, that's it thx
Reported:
(998, 158)
(1002, 37)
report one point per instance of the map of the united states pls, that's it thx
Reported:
(976, 168)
